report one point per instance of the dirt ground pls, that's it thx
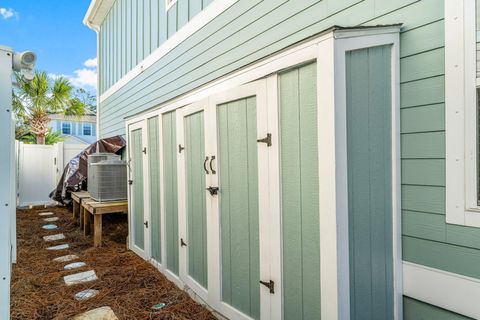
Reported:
(128, 284)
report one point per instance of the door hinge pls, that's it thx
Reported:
(144, 150)
(182, 243)
(180, 148)
(267, 140)
(146, 224)
(270, 285)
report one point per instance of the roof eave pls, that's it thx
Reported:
(96, 13)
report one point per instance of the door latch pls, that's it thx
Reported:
(182, 243)
(213, 190)
(270, 285)
(130, 182)
(205, 165)
(267, 140)
(146, 224)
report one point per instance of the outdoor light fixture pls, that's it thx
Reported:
(24, 62)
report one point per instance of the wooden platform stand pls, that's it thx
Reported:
(89, 207)
(77, 198)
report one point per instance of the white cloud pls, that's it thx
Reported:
(85, 78)
(7, 13)
(90, 63)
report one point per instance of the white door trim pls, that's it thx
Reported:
(182, 204)
(259, 90)
(332, 144)
(146, 199)
(274, 198)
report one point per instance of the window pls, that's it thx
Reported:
(169, 4)
(87, 129)
(462, 78)
(66, 128)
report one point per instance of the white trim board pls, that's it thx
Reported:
(443, 289)
(199, 21)
(461, 114)
(333, 180)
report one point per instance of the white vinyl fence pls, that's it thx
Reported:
(39, 168)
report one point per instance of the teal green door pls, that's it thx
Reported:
(196, 198)
(170, 192)
(369, 135)
(136, 157)
(299, 193)
(154, 183)
(239, 205)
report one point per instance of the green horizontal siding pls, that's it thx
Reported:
(423, 118)
(246, 32)
(423, 198)
(441, 255)
(134, 29)
(428, 172)
(428, 145)
(417, 310)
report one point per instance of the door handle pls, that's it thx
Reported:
(211, 166)
(205, 165)
(146, 224)
(182, 243)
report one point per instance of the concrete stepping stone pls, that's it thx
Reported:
(80, 277)
(68, 257)
(49, 226)
(59, 247)
(52, 219)
(45, 213)
(102, 313)
(86, 294)
(74, 265)
(54, 237)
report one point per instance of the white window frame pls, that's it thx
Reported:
(87, 125)
(460, 114)
(71, 127)
(169, 4)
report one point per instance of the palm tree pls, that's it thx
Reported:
(33, 102)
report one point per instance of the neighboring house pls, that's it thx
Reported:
(75, 129)
(284, 167)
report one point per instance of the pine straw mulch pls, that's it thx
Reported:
(128, 284)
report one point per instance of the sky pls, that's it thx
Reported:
(54, 30)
